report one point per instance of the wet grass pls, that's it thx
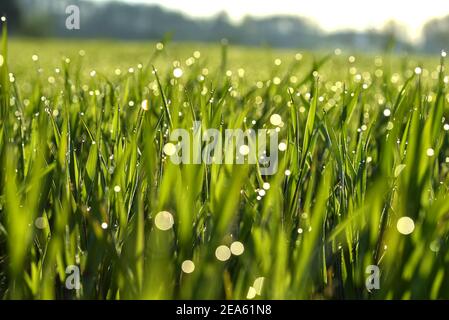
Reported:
(84, 176)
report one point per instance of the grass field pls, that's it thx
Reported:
(363, 181)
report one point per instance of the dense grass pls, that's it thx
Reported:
(69, 139)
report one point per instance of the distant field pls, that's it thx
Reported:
(87, 184)
(105, 56)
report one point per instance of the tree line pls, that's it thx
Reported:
(136, 22)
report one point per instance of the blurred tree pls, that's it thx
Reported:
(393, 32)
(122, 20)
(436, 34)
(10, 9)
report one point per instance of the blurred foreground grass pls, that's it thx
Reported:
(83, 174)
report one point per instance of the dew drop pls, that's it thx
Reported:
(244, 150)
(188, 266)
(145, 105)
(223, 253)
(169, 149)
(282, 146)
(237, 248)
(177, 73)
(405, 225)
(40, 223)
(164, 220)
(275, 119)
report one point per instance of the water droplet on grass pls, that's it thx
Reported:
(405, 225)
(169, 149)
(164, 220)
(145, 105)
(223, 253)
(177, 73)
(188, 266)
(275, 119)
(244, 150)
(40, 223)
(237, 248)
(282, 146)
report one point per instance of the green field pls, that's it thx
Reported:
(363, 181)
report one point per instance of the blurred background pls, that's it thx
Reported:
(364, 25)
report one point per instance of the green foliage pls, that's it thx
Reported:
(83, 173)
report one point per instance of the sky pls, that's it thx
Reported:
(330, 15)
